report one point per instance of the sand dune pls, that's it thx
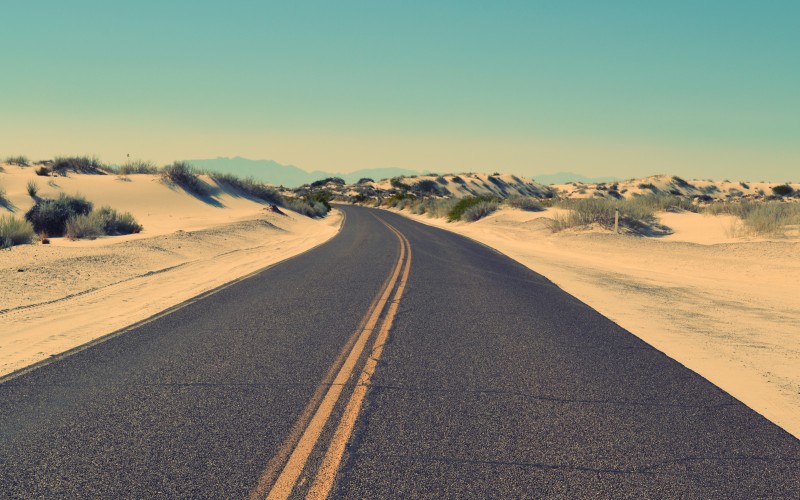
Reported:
(59, 296)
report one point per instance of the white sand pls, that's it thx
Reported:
(727, 308)
(59, 296)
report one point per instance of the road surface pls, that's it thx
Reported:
(396, 360)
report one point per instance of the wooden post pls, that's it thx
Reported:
(616, 220)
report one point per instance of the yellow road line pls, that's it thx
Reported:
(287, 479)
(278, 460)
(330, 464)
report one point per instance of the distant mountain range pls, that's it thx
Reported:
(275, 173)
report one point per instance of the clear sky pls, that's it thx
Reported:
(697, 88)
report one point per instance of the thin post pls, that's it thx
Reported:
(616, 220)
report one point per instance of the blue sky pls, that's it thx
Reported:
(627, 88)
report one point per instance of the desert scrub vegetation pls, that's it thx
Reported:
(137, 167)
(308, 207)
(248, 186)
(463, 204)
(769, 218)
(102, 222)
(15, 231)
(19, 160)
(50, 216)
(782, 190)
(635, 217)
(78, 164)
(33, 189)
(74, 217)
(527, 203)
(479, 210)
(184, 175)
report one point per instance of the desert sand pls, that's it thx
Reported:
(63, 295)
(726, 307)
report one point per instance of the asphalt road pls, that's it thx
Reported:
(492, 383)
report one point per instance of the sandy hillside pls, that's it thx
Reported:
(58, 296)
(707, 189)
(725, 307)
(465, 184)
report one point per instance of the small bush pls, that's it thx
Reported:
(87, 226)
(458, 180)
(249, 186)
(680, 182)
(397, 183)
(20, 161)
(457, 211)
(744, 185)
(427, 187)
(782, 190)
(43, 171)
(309, 208)
(760, 218)
(33, 189)
(138, 167)
(364, 180)
(328, 180)
(182, 174)
(78, 164)
(772, 218)
(115, 223)
(525, 203)
(634, 215)
(51, 216)
(15, 231)
(649, 186)
(479, 211)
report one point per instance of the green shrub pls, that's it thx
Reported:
(20, 161)
(479, 210)
(772, 218)
(249, 186)
(769, 218)
(397, 183)
(33, 189)
(428, 187)
(364, 180)
(184, 175)
(782, 190)
(51, 216)
(78, 164)
(583, 212)
(458, 180)
(658, 202)
(649, 186)
(526, 203)
(115, 223)
(138, 167)
(309, 207)
(328, 180)
(86, 226)
(15, 231)
(43, 171)
(744, 185)
(463, 204)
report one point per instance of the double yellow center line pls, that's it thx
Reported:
(305, 434)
